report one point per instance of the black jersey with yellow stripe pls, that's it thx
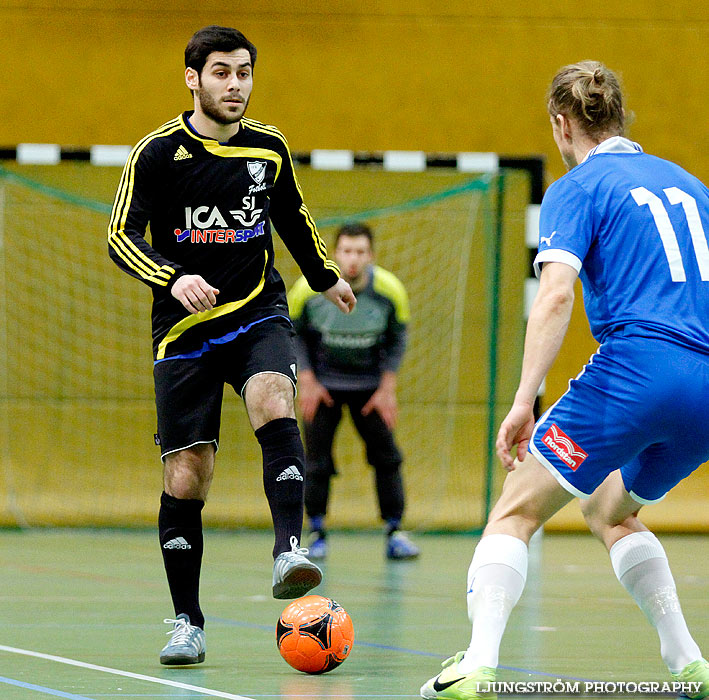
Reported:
(209, 207)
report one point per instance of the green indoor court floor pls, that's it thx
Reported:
(81, 616)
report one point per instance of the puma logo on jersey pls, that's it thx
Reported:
(182, 154)
(547, 239)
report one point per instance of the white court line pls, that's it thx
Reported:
(127, 674)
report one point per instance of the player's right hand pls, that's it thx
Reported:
(516, 429)
(311, 393)
(341, 295)
(194, 293)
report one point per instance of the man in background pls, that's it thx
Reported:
(352, 361)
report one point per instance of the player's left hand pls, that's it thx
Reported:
(384, 403)
(516, 429)
(341, 295)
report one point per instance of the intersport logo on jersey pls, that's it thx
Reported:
(208, 225)
(219, 235)
(564, 447)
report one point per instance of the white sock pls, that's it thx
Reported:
(641, 565)
(496, 579)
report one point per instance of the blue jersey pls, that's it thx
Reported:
(635, 228)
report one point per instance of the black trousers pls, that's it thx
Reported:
(382, 453)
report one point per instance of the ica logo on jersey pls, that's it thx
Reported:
(209, 225)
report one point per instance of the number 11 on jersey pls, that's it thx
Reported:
(675, 196)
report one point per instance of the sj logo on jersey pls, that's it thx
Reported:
(564, 447)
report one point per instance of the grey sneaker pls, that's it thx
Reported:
(293, 574)
(400, 547)
(187, 644)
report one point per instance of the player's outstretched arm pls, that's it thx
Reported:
(194, 293)
(548, 320)
(516, 429)
(341, 295)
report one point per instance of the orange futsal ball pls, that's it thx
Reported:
(314, 634)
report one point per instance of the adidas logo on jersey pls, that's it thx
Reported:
(182, 154)
(290, 473)
(177, 543)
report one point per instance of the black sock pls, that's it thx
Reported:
(283, 478)
(181, 541)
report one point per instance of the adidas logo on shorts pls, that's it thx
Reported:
(177, 543)
(290, 473)
(182, 153)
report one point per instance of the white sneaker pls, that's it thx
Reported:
(400, 547)
(293, 574)
(187, 644)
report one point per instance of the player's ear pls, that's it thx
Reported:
(564, 126)
(192, 78)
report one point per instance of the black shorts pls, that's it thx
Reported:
(189, 391)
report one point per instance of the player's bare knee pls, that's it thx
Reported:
(188, 473)
(599, 520)
(518, 524)
(597, 524)
(267, 397)
(609, 524)
(276, 406)
(513, 515)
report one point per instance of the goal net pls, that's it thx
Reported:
(76, 390)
